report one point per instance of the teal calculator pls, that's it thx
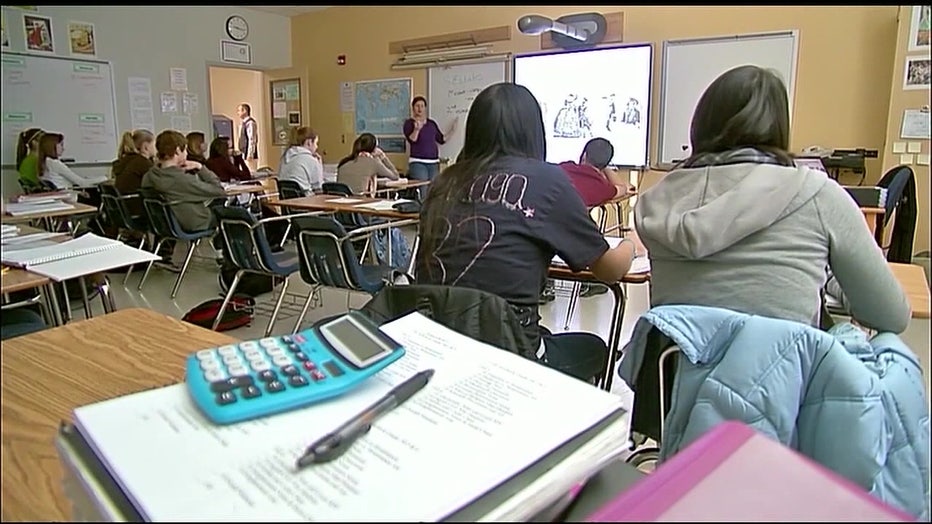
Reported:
(272, 375)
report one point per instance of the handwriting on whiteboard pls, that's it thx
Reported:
(461, 98)
(466, 78)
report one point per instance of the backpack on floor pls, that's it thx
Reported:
(401, 253)
(239, 312)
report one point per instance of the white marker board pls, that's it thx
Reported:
(74, 97)
(450, 92)
(690, 66)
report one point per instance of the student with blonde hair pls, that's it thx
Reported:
(27, 158)
(134, 159)
(55, 172)
(300, 162)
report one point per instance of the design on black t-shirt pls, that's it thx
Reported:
(484, 227)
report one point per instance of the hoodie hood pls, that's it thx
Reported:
(698, 212)
(295, 151)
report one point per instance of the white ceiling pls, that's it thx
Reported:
(287, 10)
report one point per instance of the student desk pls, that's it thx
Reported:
(913, 281)
(46, 375)
(390, 186)
(618, 312)
(78, 209)
(16, 279)
(874, 218)
(618, 204)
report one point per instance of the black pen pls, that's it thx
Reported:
(336, 443)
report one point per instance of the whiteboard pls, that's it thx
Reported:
(690, 66)
(450, 92)
(62, 95)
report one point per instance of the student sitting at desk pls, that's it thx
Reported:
(27, 158)
(197, 147)
(494, 220)
(738, 226)
(301, 162)
(596, 182)
(55, 172)
(227, 164)
(367, 162)
(134, 160)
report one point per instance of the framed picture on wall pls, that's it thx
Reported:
(4, 32)
(38, 32)
(918, 72)
(919, 28)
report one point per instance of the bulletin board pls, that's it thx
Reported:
(285, 97)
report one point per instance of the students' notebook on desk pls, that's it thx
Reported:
(868, 196)
(640, 265)
(77, 257)
(32, 208)
(493, 437)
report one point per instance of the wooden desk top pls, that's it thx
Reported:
(46, 375)
(19, 279)
(913, 281)
(244, 189)
(323, 203)
(388, 185)
(79, 209)
(873, 210)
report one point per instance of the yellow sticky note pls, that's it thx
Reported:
(922, 160)
(914, 147)
(906, 159)
(899, 147)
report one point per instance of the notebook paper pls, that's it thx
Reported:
(639, 265)
(485, 416)
(81, 256)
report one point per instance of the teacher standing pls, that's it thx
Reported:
(424, 137)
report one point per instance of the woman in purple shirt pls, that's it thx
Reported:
(424, 136)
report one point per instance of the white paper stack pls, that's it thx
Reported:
(77, 257)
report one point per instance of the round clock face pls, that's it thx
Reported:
(237, 27)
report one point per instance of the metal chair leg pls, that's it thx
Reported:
(307, 305)
(158, 247)
(87, 304)
(226, 299)
(129, 270)
(571, 308)
(278, 306)
(285, 236)
(187, 260)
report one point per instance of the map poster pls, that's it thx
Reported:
(382, 106)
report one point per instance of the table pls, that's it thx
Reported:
(913, 281)
(78, 209)
(618, 203)
(391, 186)
(244, 189)
(326, 203)
(46, 375)
(618, 311)
(21, 280)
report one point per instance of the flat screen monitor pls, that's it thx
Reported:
(591, 93)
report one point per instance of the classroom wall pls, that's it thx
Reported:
(146, 41)
(845, 56)
(900, 100)
(231, 87)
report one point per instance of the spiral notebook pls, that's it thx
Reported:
(77, 257)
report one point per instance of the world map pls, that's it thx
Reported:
(382, 106)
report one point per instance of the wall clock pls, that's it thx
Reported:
(237, 28)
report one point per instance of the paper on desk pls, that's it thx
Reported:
(382, 205)
(344, 200)
(39, 207)
(485, 416)
(30, 240)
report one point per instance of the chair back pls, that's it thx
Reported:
(244, 239)
(289, 189)
(336, 188)
(895, 180)
(159, 214)
(113, 205)
(325, 255)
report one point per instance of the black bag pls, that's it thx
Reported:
(477, 314)
(251, 285)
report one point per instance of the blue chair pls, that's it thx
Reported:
(327, 259)
(288, 189)
(248, 249)
(164, 225)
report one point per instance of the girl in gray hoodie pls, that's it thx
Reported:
(301, 163)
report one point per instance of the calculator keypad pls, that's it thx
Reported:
(250, 369)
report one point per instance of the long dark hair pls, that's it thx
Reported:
(504, 120)
(744, 107)
(220, 148)
(364, 142)
(25, 141)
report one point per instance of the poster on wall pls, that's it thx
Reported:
(4, 34)
(382, 106)
(81, 39)
(919, 28)
(917, 73)
(38, 31)
(286, 108)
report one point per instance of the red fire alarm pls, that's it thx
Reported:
(341, 60)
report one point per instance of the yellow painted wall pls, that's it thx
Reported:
(901, 100)
(230, 87)
(843, 75)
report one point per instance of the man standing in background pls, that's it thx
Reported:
(248, 136)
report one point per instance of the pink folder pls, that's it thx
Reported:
(734, 473)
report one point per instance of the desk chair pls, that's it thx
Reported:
(327, 259)
(666, 372)
(350, 221)
(288, 189)
(900, 183)
(118, 216)
(248, 249)
(165, 226)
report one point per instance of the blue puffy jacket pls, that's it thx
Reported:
(856, 406)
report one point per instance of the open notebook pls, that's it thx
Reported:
(639, 265)
(487, 439)
(77, 257)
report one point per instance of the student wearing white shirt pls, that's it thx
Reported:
(55, 172)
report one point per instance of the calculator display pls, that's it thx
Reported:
(353, 342)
